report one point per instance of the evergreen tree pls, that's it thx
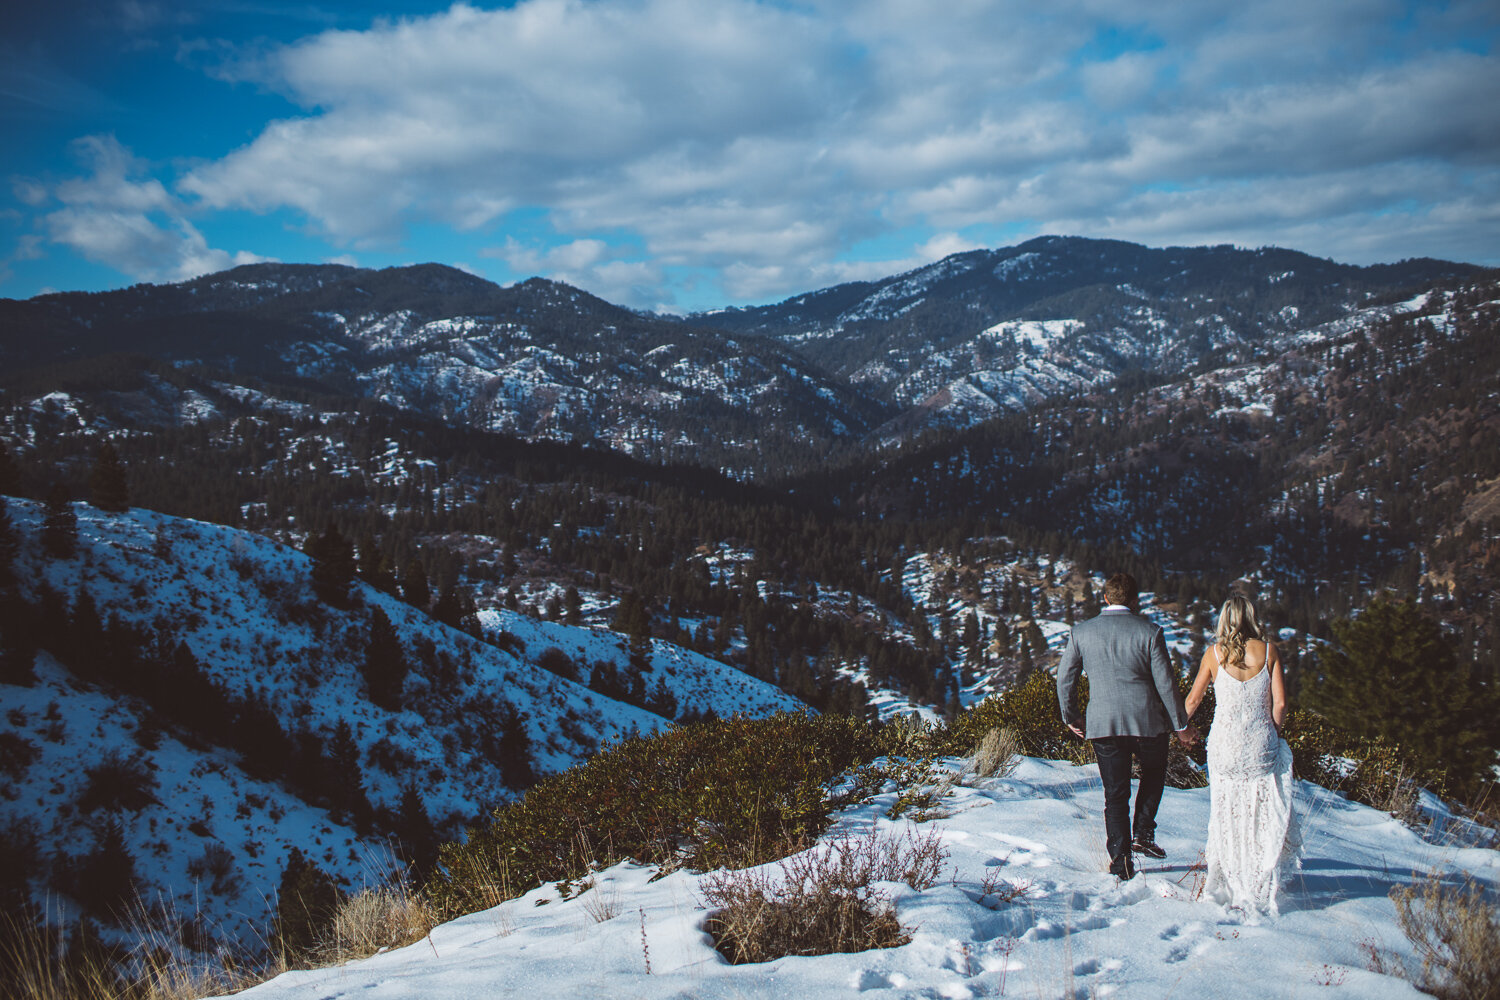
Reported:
(305, 905)
(60, 524)
(572, 607)
(662, 700)
(106, 878)
(415, 832)
(9, 542)
(414, 588)
(449, 608)
(10, 475)
(385, 663)
(107, 488)
(345, 781)
(1390, 673)
(516, 769)
(333, 565)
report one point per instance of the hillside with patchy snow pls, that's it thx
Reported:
(209, 830)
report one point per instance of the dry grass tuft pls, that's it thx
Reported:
(998, 754)
(374, 920)
(1456, 931)
(602, 903)
(37, 962)
(825, 900)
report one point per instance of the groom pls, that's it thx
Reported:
(1133, 705)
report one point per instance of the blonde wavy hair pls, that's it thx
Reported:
(1237, 624)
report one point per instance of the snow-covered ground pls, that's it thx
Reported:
(1076, 932)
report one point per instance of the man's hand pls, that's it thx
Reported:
(1188, 736)
(1076, 731)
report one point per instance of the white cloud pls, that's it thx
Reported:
(760, 141)
(115, 217)
(590, 264)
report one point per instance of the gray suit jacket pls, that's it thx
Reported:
(1131, 688)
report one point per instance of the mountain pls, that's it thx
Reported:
(539, 359)
(993, 331)
(1363, 456)
(175, 693)
(751, 391)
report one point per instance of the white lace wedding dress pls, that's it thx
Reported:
(1253, 838)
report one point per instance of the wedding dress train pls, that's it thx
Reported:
(1253, 837)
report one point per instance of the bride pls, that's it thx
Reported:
(1253, 839)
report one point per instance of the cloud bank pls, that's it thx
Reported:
(768, 148)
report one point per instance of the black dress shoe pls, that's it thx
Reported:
(1123, 867)
(1149, 848)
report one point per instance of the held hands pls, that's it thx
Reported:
(1188, 736)
(1076, 731)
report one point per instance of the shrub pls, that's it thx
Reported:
(1456, 932)
(118, 782)
(1030, 712)
(727, 792)
(216, 863)
(554, 660)
(1367, 770)
(825, 901)
(16, 755)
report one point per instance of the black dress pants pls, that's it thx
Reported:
(1115, 754)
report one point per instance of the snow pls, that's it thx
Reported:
(1076, 931)
(244, 606)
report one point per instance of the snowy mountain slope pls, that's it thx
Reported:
(208, 844)
(1073, 931)
(698, 683)
(472, 716)
(990, 331)
(949, 344)
(540, 359)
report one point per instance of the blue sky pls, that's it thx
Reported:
(689, 154)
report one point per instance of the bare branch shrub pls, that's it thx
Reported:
(824, 901)
(1456, 931)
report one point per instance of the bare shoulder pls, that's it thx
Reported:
(1210, 661)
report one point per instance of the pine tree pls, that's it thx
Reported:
(516, 769)
(385, 663)
(60, 524)
(10, 475)
(10, 541)
(414, 588)
(572, 607)
(415, 832)
(345, 781)
(305, 905)
(630, 615)
(449, 609)
(1390, 673)
(106, 878)
(333, 565)
(107, 487)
